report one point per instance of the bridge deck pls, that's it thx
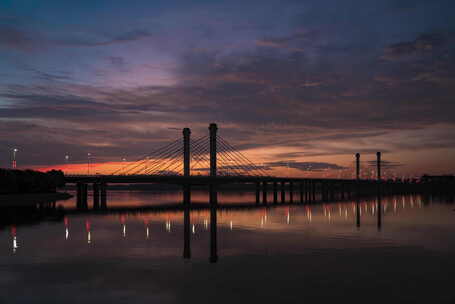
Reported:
(193, 180)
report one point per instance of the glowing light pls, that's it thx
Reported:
(13, 234)
(67, 232)
(15, 245)
(14, 157)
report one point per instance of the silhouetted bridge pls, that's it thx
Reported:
(216, 163)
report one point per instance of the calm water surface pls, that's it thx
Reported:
(279, 254)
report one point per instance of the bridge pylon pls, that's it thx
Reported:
(186, 165)
(186, 152)
(213, 130)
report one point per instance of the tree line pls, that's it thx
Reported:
(30, 181)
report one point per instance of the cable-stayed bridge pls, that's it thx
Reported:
(169, 160)
(211, 160)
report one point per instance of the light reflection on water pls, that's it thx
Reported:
(416, 233)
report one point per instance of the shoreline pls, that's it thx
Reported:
(32, 198)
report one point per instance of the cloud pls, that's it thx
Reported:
(117, 61)
(424, 43)
(305, 166)
(28, 40)
(18, 39)
(299, 41)
(133, 35)
(307, 82)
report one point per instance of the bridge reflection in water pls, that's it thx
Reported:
(355, 210)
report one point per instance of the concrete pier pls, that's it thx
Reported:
(291, 192)
(258, 193)
(275, 192)
(96, 196)
(103, 195)
(264, 192)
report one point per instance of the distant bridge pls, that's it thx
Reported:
(216, 162)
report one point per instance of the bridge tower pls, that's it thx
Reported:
(212, 142)
(378, 165)
(213, 130)
(357, 166)
(186, 152)
(186, 166)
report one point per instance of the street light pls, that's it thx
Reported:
(88, 163)
(67, 158)
(14, 157)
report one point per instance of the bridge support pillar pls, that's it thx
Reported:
(342, 190)
(103, 191)
(324, 191)
(213, 195)
(378, 165)
(78, 195)
(357, 166)
(96, 196)
(264, 193)
(275, 194)
(301, 192)
(258, 193)
(307, 191)
(187, 194)
(283, 193)
(291, 192)
(332, 190)
(84, 196)
(313, 191)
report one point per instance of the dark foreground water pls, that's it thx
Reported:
(279, 254)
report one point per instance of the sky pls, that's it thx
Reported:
(295, 82)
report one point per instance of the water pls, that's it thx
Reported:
(279, 254)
